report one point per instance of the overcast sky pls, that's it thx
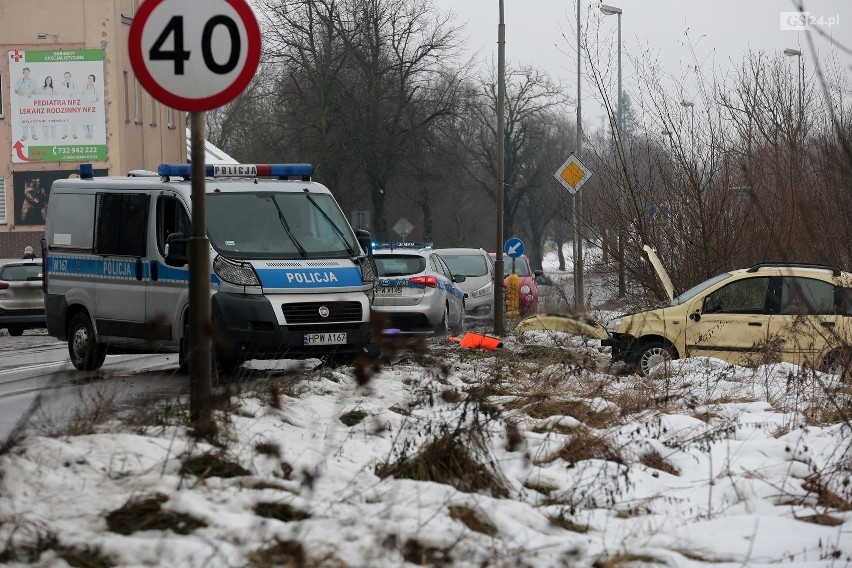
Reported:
(541, 32)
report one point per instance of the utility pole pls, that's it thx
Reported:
(501, 97)
(579, 302)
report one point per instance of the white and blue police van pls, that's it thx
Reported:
(289, 277)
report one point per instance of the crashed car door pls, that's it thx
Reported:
(729, 322)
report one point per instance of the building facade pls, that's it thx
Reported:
(68, 95)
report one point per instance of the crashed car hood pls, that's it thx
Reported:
(661, 272)
(562, 322)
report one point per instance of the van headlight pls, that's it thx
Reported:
(613, 325)
(484, 291)
(233, 272)
(368, 268)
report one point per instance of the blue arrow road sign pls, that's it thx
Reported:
(514, 247)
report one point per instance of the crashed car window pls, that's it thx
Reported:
(800, 296)
(398, 265)
(695, 290)
(746, 296)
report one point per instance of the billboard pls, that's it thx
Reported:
(32, 193)
(57, 105)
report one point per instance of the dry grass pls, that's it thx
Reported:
(472, 519)
(584, 445)
(449, 460)
(146, 513)
(656, 461)
(212, 465)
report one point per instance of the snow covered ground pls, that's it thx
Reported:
(539, 454)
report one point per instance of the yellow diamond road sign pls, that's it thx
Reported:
(572, 174)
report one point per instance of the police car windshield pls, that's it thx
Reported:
(248, 225)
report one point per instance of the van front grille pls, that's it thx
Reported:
(309, 312)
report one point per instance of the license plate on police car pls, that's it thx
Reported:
(330, 338)
(389, 290)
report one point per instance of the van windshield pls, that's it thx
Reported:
(278, 225)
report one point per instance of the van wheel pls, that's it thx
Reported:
(651, 354)
(86, 354)
(16, 330)
(222, 367)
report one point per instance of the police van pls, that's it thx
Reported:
(288, 275)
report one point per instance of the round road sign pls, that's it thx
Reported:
(194, 56)
(514, 247)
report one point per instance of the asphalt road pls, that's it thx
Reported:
(39, 386)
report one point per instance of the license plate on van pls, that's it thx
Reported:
(325, 338)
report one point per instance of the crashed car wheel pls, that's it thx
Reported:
(651, 354)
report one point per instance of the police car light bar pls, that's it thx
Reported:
(239, 170)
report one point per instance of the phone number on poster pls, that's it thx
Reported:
(63, 150)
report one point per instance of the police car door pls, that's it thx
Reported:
(121, 220)
(168, 289)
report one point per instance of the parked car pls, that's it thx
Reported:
(417, 290)
(21, 295)
(528, 289)
(799, 313)
(478, 269)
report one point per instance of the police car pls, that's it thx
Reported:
(417, 290)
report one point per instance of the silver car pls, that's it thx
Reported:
(21, 295)
(417, 290)
(478, 269)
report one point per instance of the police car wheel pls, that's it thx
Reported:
(461, 324)
(183, 353)
(86, 354)
(444, 327)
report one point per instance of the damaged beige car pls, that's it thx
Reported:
(799, 313)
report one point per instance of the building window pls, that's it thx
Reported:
(137, 107)
(126, 98)
(170, 117)
(2, 201)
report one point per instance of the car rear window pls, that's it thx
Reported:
(466, 264)
(21, 272)
(399, 265)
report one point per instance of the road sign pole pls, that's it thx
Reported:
(501, 96)
(200, 381)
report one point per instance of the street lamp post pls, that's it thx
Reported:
(579, 292)
(790, 52)
(622, 285)
(499, 310)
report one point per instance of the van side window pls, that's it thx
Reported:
(121, 224)
(171, 218)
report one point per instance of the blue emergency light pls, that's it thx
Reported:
(87, 171)
(239, 170)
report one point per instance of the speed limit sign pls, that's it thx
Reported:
(194, 56)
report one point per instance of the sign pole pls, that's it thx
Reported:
(200, 382)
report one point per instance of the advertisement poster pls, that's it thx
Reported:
(57, 100)
(32, 193)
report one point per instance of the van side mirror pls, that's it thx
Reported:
(365, 240)
(458, 278)
(177, 250)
